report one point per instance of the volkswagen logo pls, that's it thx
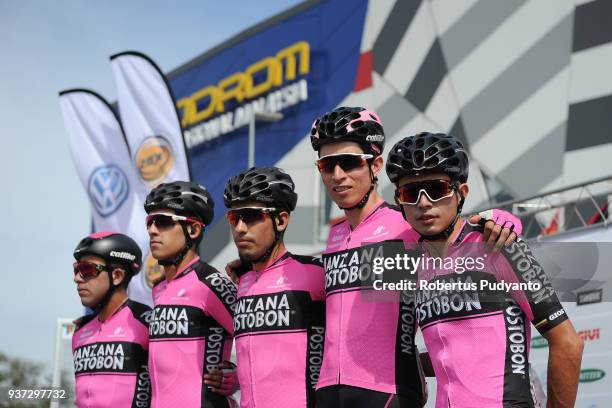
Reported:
(108, 189)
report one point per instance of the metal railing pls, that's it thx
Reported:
(572, 208)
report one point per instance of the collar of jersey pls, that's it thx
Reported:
(377, 207)
(277, 261)
(187, 268)
(465, 229)
(117, 310)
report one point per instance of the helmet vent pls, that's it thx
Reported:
(418, 157)
(431, 151)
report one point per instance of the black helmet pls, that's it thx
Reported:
(428, 152)
(344, 124)
(268, 185)
(184, 197)
(117, 250)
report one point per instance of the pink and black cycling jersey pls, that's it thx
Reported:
(279, 324)
(110, 359)
(191, 332)
(369, 339)
(477, 335)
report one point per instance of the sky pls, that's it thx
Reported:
(49, 46)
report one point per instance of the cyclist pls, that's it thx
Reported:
(279, 320)
(479, 342)
(370, 358)
(191, 331)
(109, 347)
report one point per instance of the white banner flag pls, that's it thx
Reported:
(152, 127)
(102, 159)
(150, 120)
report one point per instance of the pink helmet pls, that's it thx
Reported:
(346, 124)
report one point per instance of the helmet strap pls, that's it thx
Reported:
(449, 230)
(266, 255)
(107, 296)
(366, 197)
(178, 258)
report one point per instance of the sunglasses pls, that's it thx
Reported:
(435, 190)
(164, 220)
(248, 215)
(346, 161)
(88, 270)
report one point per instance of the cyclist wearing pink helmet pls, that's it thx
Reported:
(370, 359)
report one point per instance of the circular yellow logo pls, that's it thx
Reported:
(154, 272)
(154, 159)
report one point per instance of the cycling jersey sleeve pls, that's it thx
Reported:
(220, 298)
(142, 391)
(538, 300)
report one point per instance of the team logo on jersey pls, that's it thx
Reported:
(176, 321)
(462, 299)
(516, 341)
(525, 264)
(316, 340)
(118, 332)
(353, 268)
(271, 311)
(154, 159)
(223, 288)
(108, 189)
(407, 323)
(379, 230)
(214, 347)
(108, 357)
(99, 357)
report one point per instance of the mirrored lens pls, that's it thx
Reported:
(87, 270)
(160, 220)
(346, 163)
(435, 190)
(246, 215)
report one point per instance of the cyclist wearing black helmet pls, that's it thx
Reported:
(370, 357)
(279, 318)
(110, 346)
(479, 353)
(191, 332)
